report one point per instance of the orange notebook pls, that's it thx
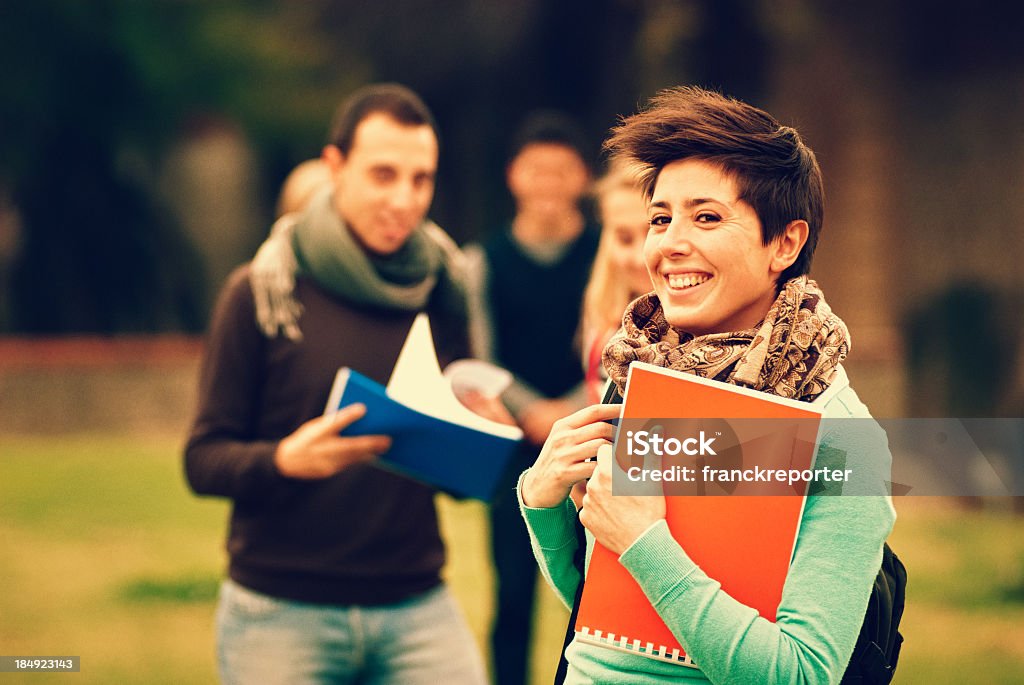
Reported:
(737, 534)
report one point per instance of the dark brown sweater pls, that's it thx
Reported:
(364, 536)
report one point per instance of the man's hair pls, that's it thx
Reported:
(774, 171)
(549, 126)
(392, 99)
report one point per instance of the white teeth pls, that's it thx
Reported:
(686, 280)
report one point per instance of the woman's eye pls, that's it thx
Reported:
(707, 218)
(660, 220)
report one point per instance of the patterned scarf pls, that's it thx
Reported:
(319, 245)
(793, 353)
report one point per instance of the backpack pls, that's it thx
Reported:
(878, 645)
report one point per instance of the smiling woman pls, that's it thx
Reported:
(711, 268)
(735, 211)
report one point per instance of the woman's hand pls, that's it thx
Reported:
(538, 419)
(617, 521)
(563, 459)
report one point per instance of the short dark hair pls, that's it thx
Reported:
(775, 172)
(392, 99)
(549, 126)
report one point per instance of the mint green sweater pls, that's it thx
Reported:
(835, 561)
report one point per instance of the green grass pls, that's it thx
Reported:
(107, 555)
(964, 620)
(110, 557)
(96, 530)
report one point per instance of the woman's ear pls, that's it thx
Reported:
(787, 246)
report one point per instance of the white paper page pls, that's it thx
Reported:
(417, 382)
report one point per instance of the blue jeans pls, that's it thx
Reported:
(269, 641)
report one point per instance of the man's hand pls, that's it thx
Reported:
(616, 522)
(487, 406)
(563, 459)
(538, 419)
(315, 450)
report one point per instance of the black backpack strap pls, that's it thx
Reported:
(579, 560)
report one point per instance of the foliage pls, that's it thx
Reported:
(100, 90)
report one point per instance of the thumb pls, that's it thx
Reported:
(343, 418)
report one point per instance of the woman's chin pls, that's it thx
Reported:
(641, 288)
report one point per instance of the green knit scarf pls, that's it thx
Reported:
(317, 244)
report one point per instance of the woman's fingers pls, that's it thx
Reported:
(591, 414)
(591, 431)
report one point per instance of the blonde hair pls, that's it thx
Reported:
(607, 292)
(302, 184)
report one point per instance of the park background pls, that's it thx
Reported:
(142, 144)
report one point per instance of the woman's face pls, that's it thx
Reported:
(704, 251)
(624, 219)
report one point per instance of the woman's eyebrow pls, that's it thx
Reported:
(697, 201)
(688, 204)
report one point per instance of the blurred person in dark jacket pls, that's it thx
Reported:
(527, 282)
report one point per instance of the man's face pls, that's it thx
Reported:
(705, 254)
(384, 185)
(547, 178)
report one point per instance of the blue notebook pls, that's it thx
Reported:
(435, 439)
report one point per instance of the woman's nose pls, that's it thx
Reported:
(675, 240)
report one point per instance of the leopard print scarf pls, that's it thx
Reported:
(793, 353)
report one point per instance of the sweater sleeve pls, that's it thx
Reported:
(520, 394)
(837, 556)
(553, 538)
(480, 330)
(223, 455)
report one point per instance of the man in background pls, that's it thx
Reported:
(334, 573)
(528, 280)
